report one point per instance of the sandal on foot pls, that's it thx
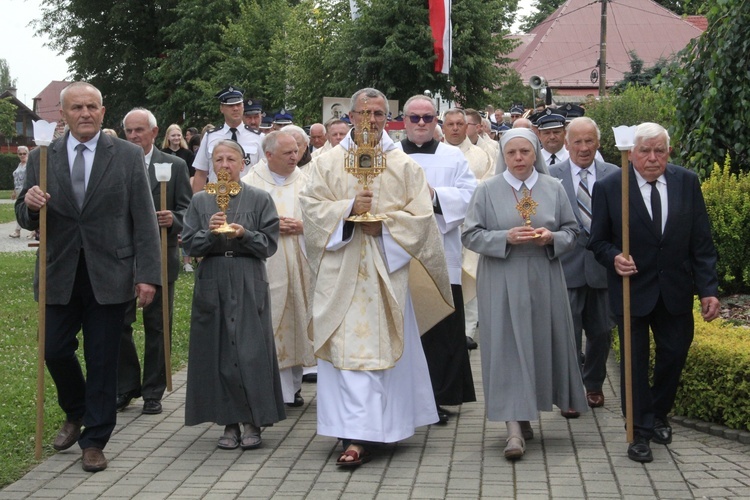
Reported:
(230, 440)
(515, 448)
(357, 458)
(251, 438)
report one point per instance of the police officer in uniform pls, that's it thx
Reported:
(232, 106)
(253, 113)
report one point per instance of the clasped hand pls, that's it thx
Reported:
(219, 218)
(527, 234)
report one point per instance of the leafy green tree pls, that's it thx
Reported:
(7, 118)
(6, 81)
(684, 7)
(510, 90)
(713, 109)
(112, 45)
(642, 77)
(400, 60)
(635, 105)
(182, 81)
(544, 8)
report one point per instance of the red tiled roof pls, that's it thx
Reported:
(699, 22)
(47, 102)
(564, 49)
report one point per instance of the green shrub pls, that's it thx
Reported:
(8, 163)
(715, 384)
(727, 198)
(635, 105)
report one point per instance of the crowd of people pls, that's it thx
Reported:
(376, 263)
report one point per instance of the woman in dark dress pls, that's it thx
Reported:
(175, 144)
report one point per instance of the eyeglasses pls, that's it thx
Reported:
(379, 115)
(22, 154)
(416, 118)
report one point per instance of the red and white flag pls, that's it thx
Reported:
(440, 22)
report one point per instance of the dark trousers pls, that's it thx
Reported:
(154, 367)
(673, 335)
(590, 310)
(448, 358)
(92, 398)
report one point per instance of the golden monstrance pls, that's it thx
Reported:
(223, 189)
(365, 161)
(526, 207)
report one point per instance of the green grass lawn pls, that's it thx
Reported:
(7, 213)
(5, 194)
(18, 355)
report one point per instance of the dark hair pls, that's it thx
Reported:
(195, 140)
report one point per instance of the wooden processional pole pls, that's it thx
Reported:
(42, 304)
(626, 299)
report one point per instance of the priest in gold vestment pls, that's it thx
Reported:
(376, 287)
(288, 270)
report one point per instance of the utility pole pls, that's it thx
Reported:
(603, 52)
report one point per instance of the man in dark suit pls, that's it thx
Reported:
(141, 129)
(102, 249)
(672, 257)
(585, 277)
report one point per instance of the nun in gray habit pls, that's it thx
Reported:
(529, 360)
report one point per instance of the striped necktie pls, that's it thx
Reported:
(583, 196)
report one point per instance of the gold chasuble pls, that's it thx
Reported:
(358, 302)
(288, 271)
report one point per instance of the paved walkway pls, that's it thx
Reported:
(156, 456)
(153, 457)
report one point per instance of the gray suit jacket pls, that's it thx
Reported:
(179, 193)
(116, 227)
(580, 266)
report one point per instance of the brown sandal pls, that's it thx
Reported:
(357, 458)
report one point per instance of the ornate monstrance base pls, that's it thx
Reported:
(367, 217)
(223, 188)
(526, 207)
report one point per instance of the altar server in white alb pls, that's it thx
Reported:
(451, 183)
(373, 381)
(288, 270)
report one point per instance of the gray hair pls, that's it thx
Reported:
(583, 120)
(455, 111)
(419, 97)
(298, 131)
(149, 114)
(371, 93)
(272, 139)
(231, 145)
(74, 85)
(649, 130)
(22, 148)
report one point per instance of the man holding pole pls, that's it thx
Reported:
(102, 249)
(141, 129)
(671, 255)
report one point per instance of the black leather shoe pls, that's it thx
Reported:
(640, 451)
(471, 344)
(311, 378)
(123, 400)
(662, 431)
(443, 416)
(298, 399)
(151, 407)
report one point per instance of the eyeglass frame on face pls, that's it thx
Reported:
(416, 118)
(22, 154)
(379, 115)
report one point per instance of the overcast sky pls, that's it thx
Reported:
(31, 63)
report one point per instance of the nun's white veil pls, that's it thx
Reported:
(530, 136)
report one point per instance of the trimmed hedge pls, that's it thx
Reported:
(715, 384)
(8, 163)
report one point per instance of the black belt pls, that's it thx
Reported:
(230, 254)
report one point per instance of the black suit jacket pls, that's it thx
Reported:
(676, 266)
(179, 193)
(116, 227)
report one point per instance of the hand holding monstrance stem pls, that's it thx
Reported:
(223, 189)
